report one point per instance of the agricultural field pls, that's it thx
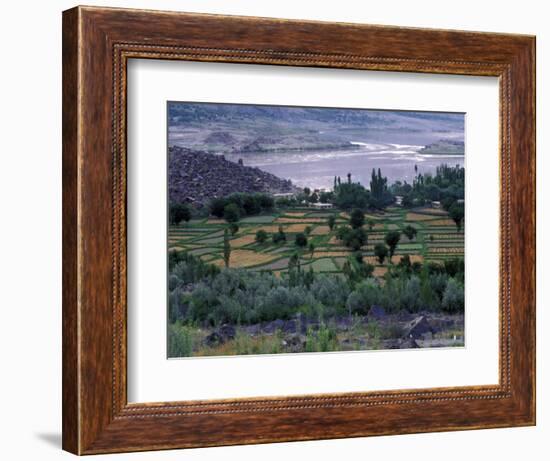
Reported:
(437, 239)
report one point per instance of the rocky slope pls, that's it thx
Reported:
(196, 177)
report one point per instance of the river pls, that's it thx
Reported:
(316, 169)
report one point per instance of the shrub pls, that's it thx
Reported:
(181, 340)
(453, 297)
(179, 212)
(217, 206)
(261, 236)
(357, 218)
(300, 240)
(365, 295)
(409, 231)
(231, 213)
(380, 251)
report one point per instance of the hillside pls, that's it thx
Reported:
(444, 147)
(249, 129)
(197, 176)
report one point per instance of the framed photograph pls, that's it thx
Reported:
(280, 230)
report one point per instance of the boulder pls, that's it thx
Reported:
(271, 327)
(221, 335)
(418, 327)
(407, 343)
(377, 312)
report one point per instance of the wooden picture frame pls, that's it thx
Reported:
(97, 43)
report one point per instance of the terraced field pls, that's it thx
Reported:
(437, 239)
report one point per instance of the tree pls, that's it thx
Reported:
(313, 198)
(300, 240)
(371, 223)
(179, 212)
(349, 178)
(456, 213)
(307, 191)
(261, 236)
(392, 239)
(380, 251)
(217, 206)
(352, 238)
(308, 230)
(233, 228)
(251, 204)
(331, 221)
(357, 218)
(409, 231)
(231, 213)
(311, 249)
(279, 236)
(226, 248)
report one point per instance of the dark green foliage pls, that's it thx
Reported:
(280, 236)
(392, 239)
(261, 236)
(311, 248)
(326, 197)
(313, 198)
(231, 213)
(179, 212)
(308, 230)
(352, 195)
(381, 252)
(456, 212)
(454, 267)
(247, 204)
(453, 297)
(352, 238)
(251, 205)
(226, 248)
(409, 231)
(371, 224)
(233, 228)
(300, 239)
(357, 218)
(217, 206)
(380, 195)
(331, 221)
(202, 294)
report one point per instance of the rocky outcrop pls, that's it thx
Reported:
(418, 328)
(197, 177)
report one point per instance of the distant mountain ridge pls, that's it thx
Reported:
(247, 128)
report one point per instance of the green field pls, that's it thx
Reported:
(437, 239)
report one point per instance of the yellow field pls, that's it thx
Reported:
(216, 221)
(417, 217)
(320, 230)
(295, 214)
(328, 254)
(441, 222)
(445, 250)
(295, 228)
(432, 211)
(380, 271)
(246, 258)
(244, 240)
(450, 235)
(300, 220)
